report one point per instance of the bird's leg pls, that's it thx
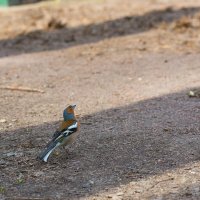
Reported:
(66, 149)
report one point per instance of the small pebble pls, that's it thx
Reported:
(2, 162)
(3, 121)
(165, 129)
(119, 193)
(10, 154)
(37, 174)
(191, 93)
(16, 154)
(91, 182)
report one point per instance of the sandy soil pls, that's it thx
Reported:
(128, 65)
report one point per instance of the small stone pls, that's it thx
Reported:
(91, 182)
(10, 154)
(194, 93)
(20, 154)
(191, 93)
(88, 184)
(165, 129)
(137, 191)
(16, 154)
(2, 162)
(37, 174)
(3, 121)
(57, 153)
(119, 193)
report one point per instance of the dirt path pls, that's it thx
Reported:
(128, 67)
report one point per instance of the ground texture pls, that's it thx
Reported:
(129, 66)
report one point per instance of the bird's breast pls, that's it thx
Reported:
(70, 139)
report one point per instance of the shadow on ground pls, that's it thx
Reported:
(63, 37)
(115, 147)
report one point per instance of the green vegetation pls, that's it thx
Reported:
(20, 181)
(2, 189)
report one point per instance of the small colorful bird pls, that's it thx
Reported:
(65, 135)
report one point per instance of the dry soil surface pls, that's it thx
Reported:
(128, 65)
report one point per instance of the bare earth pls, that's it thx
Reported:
(128, 65)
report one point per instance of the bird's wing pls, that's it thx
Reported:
(63, 127)
(60, 135)
(56, 134)
(69, 130)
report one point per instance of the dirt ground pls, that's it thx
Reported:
(128, 65)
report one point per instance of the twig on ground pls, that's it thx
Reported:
(18, 88)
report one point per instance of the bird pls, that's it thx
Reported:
(66, 134)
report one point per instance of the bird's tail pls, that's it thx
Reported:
(44, 155)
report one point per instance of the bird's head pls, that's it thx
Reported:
(68, 113)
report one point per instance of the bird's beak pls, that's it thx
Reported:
(73, 106)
